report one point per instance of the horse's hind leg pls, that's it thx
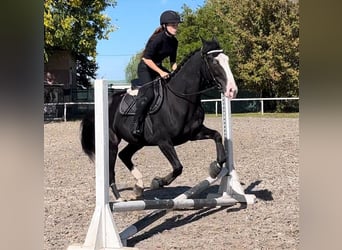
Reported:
(126, 157)
(113, 152)
(169, 151)
(207, 133)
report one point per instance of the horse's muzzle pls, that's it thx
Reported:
(230, 93)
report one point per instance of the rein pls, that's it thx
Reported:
(194, 93)
(211, 75)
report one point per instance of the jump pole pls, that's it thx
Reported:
(171, 204)
(230, 185)
(157, 214)
(102, 232)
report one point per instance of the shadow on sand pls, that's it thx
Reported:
(179, 220)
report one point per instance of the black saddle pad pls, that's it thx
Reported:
(128, 107)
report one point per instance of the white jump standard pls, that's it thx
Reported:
(230, 185)
(102, 232)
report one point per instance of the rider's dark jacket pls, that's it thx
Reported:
(157, 49)
(160, 47)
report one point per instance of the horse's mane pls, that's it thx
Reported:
(179, 67)
(210, 45)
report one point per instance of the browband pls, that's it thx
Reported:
(214, 51)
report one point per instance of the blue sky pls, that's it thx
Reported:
(135, 20)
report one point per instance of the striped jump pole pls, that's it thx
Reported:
(102, 232)
(156, 215)
(171, 204)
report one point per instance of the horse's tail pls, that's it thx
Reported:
(87, 128)
(88, 135)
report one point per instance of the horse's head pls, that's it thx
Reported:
(217, 64)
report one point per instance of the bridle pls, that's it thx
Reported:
(213, 80)
(212, 84)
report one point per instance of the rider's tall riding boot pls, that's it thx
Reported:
(138, 120)
(137, 127)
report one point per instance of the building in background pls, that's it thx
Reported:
(62, 66)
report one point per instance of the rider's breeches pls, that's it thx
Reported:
(145, 94)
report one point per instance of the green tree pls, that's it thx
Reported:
(261, 38)
(76, 25)
(204, 22)
(265, 44)
(132, 66)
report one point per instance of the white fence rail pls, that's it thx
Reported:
(65, 104)
(217, 102)
(251, 99)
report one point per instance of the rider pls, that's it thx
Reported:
(160, 45)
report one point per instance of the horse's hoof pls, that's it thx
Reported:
(115, 191)
(156, 183)
(133, 197)
(138, 191)
(119, 200)
(214, 169)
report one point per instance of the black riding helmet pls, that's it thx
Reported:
(169, 16)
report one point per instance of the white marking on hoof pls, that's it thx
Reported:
(138, 177)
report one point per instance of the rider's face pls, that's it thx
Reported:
(172, 28)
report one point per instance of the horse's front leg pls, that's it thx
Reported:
(207, 133)
(170, 153)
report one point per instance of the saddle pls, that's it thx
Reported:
(128, 102)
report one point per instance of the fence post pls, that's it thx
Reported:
(65, 110)
(216, 102)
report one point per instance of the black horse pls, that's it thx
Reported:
(179, 118)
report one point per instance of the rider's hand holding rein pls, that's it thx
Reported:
(154, 66)
(174, 67)
(164, 75)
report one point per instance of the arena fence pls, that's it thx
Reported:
(64, 110)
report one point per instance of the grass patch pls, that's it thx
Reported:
(265, 115)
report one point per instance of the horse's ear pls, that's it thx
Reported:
(203, 45)
(203, 40)
(215, 39)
